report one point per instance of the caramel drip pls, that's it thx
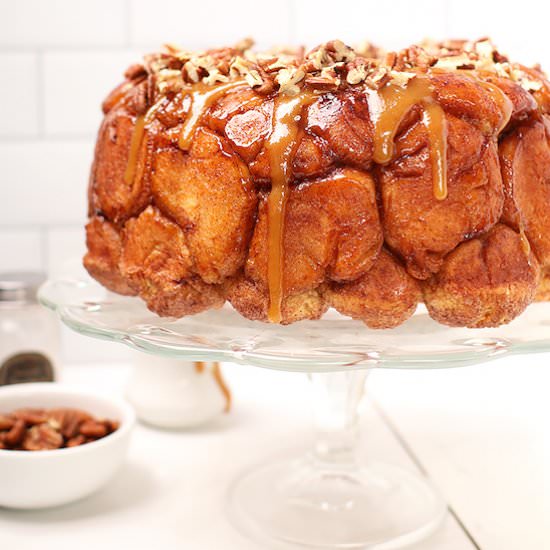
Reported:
(217, 374)
(436, 125)
(281, 147)
(504, 102)
(200, 367)
(202, 97)
(135, 146)
(388, 107)
(142, 121)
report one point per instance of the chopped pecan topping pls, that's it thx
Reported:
(140, 100)
(135, 71)
(288, 80)
(328, 66)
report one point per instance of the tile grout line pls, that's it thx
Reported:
(39, 228)
(417, 462)
(77, 49)
(53, 138)
(72, 48)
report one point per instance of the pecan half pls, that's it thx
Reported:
(69, 420)
(135, 71)
(14, 437)
(76, 441)
(94, 429)
(41, 438)
(6, 423)
(31, 417)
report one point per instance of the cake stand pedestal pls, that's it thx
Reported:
(328, 498)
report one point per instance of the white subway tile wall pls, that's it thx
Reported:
(63, 23)
(391, 24)
(74, 85)
(24, 249)
(44, 181)
(65, 246)
(59, 58)
(201, 23)
(19, 99)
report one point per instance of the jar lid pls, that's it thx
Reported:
(20, 286)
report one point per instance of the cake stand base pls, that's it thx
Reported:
(312, 504)
(329, 498)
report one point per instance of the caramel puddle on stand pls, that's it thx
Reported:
(389, 105)
(217, 374)
(281, 147)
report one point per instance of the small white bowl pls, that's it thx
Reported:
(42, 479)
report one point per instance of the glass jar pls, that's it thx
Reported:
(29, 333)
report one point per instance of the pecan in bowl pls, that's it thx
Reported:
(82, 439)
(48, 429)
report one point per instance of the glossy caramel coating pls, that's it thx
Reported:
(525, 165)
(324, 239)
(194, 189)
(190, 228)
(418, 226)
(158, 265)
(103, 257)
(484, 282)
(384, 297)
(110, 195)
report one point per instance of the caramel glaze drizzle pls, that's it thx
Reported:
(202, 97)
(217, 374)
(135, 146)
(281, 147)
(504, 102)
(389, 105)
(142, 121)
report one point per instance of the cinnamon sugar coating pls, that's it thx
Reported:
(187, 228)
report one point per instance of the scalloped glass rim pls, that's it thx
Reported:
(332, 343)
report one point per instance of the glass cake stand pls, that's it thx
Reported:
(328, 498)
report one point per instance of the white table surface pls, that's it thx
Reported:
(482, 434)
